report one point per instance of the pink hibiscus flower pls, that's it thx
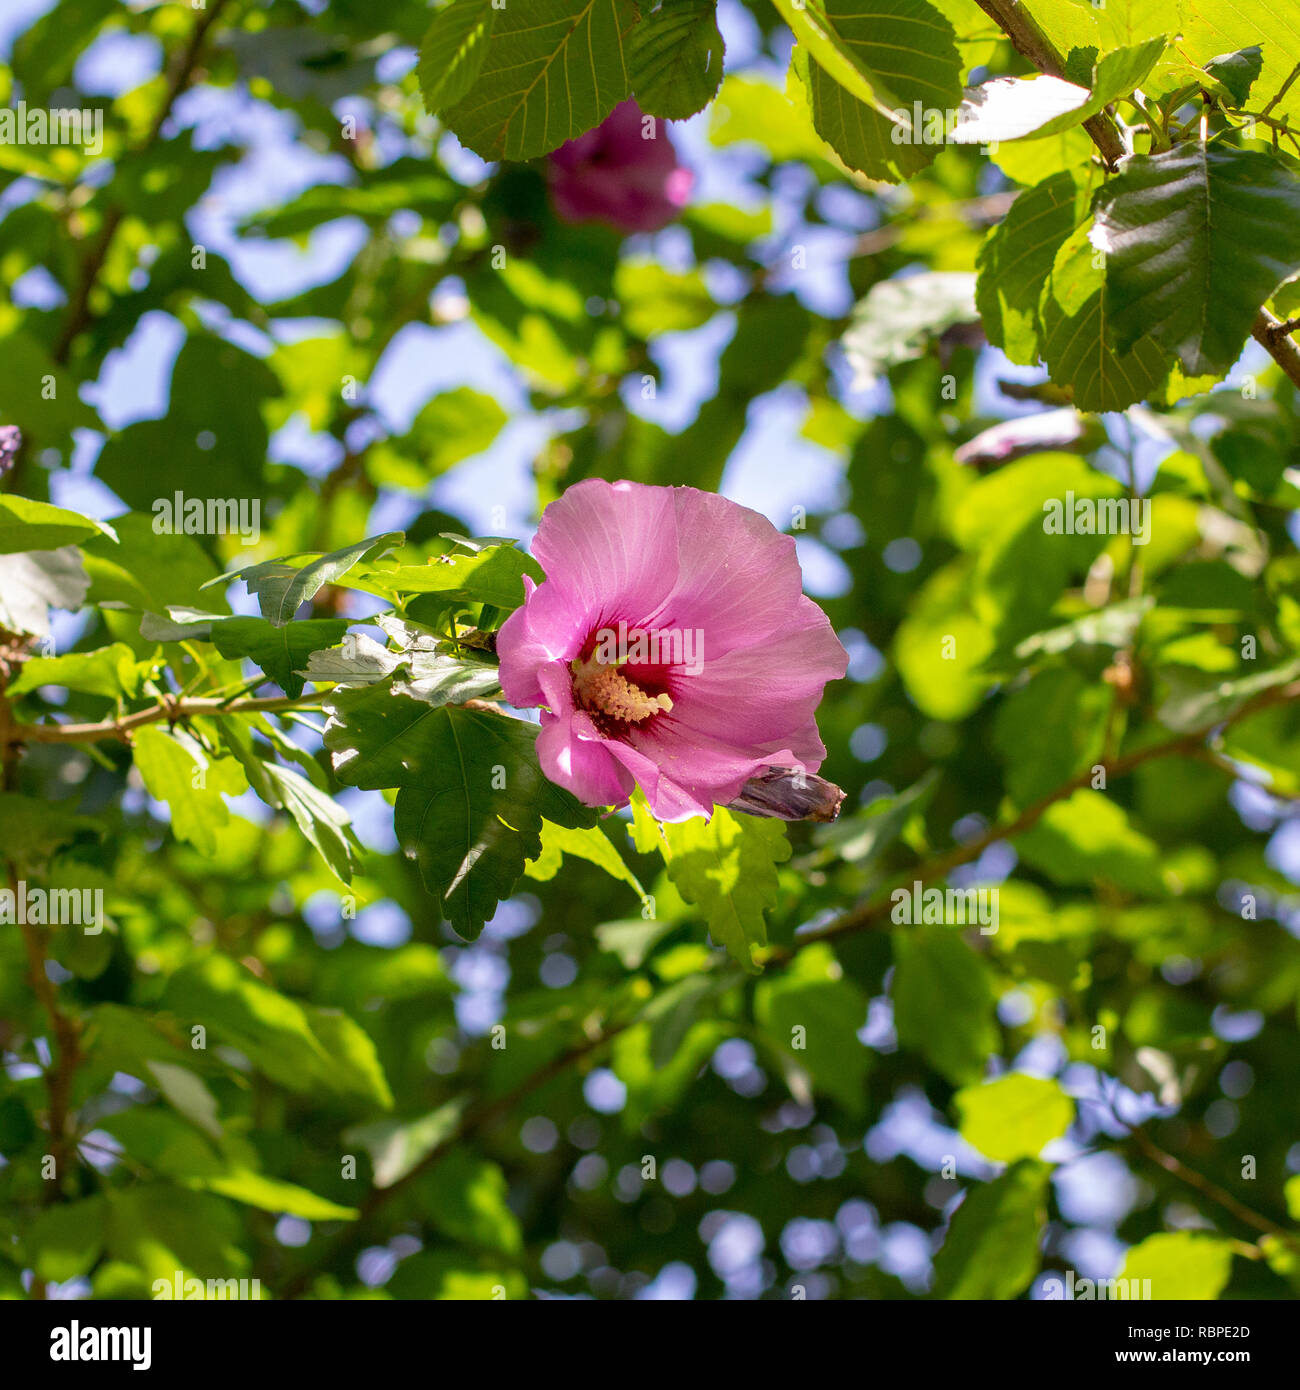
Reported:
(613, 174)
(671, 646)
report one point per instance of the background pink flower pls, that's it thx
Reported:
(667, 560)
(613, 174)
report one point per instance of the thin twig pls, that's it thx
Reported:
(174, 711)
(1211, 1189)
(873, 911)
(79, 316)
(474, 1121)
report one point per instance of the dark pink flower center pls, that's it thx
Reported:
(616, 685)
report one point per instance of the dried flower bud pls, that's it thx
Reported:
(786, 793)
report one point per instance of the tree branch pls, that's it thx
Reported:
(1034, 45)
(120, 729)
(61, 1071)
(1207, 1187)
(474, 1121)
(79, 317)
(870, 913)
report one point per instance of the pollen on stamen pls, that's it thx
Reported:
(603, 690)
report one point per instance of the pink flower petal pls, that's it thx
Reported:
(665, 559)
(612, 547)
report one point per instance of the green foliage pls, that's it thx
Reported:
(991, 1249)
(348, 957)
(471, 798)
(1228, 218)
(676, 59)
(727, 867)
(552, 70)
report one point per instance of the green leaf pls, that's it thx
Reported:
(655, 300)
(897, 53)
(32, 584)
(282, 587)
(175, 769)
(494, 575)
(17, 1128)
(812, 1014)
(1112, 626)
(472, 797)
(1131, 21)
(451, 1275)
(1237, 71)
(899, 318)
(860, 136)
(188, 1096)
(149, 570)
(111, 671)
(455, 425)
(163, 1230)
(1088, 839)
(1011, 108)
(396, 1147)
(65, 1240)
(864, 836)
(465, 1197)
(553, 70)
(943, 1001)
(991, 1249)
(1032, 161)
(1116, 74)
(1197, 706)
(28, 525)
(941, 646)
(675, 58)
(585, 842)
(755, 112)
(1291, 1191)
(1017, 258)
(673, 1012)
(282, 652)
(213, 435)
(1211, 28)
(1196, 239)
(423, 671)
(452, 52)
(1014, 1117)
(273, 1195)
(1079, 339)
(1181, 1264)
(40, 396)
(302, 1048)
(1050, 730)
(320, 818)
(632, 939)
(726, 866)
